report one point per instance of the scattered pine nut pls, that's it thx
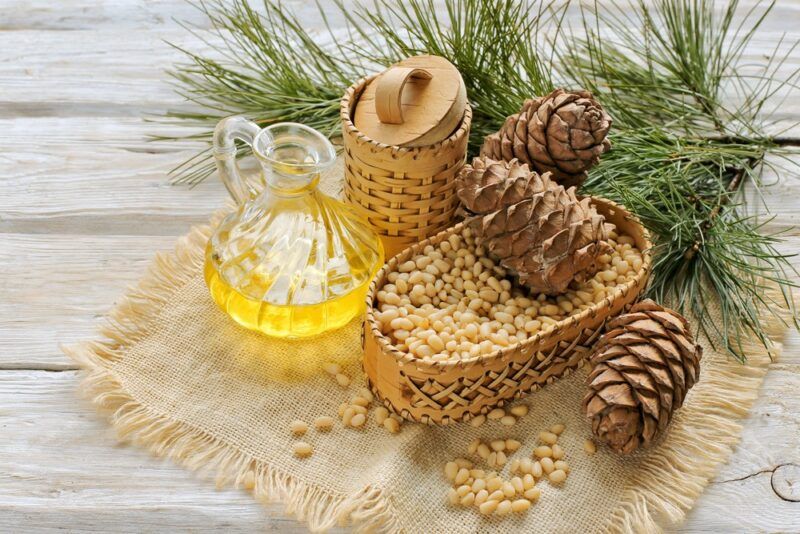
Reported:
(391, 425)
(323, 423)
(360, 401)
(547, 465)
(558, 452)
(497, 413)
(557, 477)
(512, 445)
(358, 420)
(343, 380)
(520, 505)
(332, 368)
(520, 410)
(589, 447)
(477, 421)
(381, 414)
(548, 438)
(557, 429)
(562, 465)
(543, 451)
(298, 427)
(302, 449)
(508, 420)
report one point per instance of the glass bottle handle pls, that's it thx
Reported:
(225, 135)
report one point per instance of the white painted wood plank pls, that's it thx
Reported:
(62, 468)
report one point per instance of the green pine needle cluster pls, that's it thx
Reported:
(690, 113)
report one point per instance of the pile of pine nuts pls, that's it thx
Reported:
(454, 302)
(353, 414)
(493, 494)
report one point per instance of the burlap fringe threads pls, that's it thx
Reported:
(662, 490)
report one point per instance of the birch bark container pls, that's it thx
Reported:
(405, 134)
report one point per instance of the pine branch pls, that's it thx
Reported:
(683, 150)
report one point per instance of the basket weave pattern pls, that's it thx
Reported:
(407, 194)
(445, 392)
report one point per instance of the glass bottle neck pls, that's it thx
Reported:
(284, 180)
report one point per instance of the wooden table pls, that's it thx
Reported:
(84, 204)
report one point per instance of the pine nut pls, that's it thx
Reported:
(483, 451)
(558, 476)
(497, 495)
(528, 481)
(461, 476)
(392, 425)
(497, 445)
(536, 470)
(494, 484)
(547, 465)
(473, 446)
(298, 428)
(360, 401)
(520, 410)
(589, 447)
(302, 449)
(381, 413)
(512, 445)
(548, 438)
(488, 507)
(477, 421)
(343, 380)
(504, 508)
(532, 494)
(543, 451)
(450, 470)
(508, 420)
(558, 452)
(516, 482)
(468, 499)
(463, 490)
(332, 368)
(479, 484)
(358, 420)
(497, 413)
(463, 462)
(323, 423)
(520, 505)
(481, 497)
(452, 496)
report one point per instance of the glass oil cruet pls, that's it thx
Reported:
(291, 261)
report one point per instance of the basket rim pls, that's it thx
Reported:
(349, 128)
(438, 366)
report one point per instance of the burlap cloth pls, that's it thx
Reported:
(182, 379)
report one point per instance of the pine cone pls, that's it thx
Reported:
(535, 227)
(563, 133)
(642, 368)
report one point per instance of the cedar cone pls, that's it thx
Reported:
(536, 228)
(642, 368)
(563, 133)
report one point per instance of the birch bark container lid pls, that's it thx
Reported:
(417, 102)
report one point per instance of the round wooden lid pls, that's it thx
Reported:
(416, 102)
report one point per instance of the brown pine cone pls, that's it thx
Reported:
(533, 226)
(642, 368)
(563, 133)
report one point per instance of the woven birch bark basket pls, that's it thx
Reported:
(406, 193)
(445, 392)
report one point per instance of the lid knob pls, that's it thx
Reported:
(390, 90)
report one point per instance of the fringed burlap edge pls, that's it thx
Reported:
(662, 490)
(369, 510)
(672, 476)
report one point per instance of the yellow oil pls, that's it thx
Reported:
(287, 321)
